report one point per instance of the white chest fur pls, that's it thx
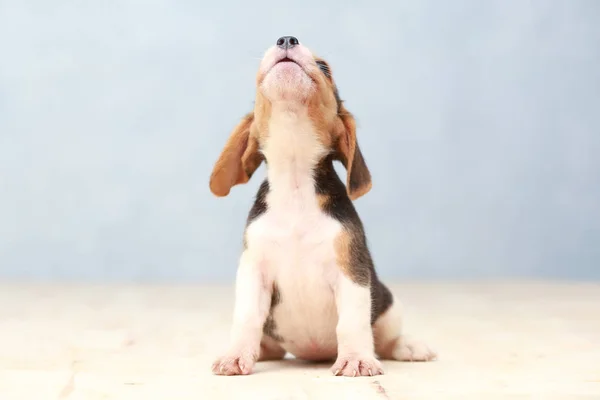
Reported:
(294, 239)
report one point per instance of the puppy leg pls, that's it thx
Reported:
(270, 350)
(390, 344)
(356, 355)
(252, 301)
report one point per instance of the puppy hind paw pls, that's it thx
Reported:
(414, 350)
(238, 363)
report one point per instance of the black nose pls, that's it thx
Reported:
(287, 42)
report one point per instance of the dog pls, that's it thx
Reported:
(305, 283)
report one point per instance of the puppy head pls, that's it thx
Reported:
(291, 74)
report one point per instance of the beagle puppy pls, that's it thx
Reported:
(305, 283)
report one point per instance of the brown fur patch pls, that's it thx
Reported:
(336, 128)
(349, 258)
(323, 110)
(323, 200)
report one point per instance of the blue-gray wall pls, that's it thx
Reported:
(480, 121)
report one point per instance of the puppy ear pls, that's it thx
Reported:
(239, 159)
(358, 175)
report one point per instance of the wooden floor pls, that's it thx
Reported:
(495, 341)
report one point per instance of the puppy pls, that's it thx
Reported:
(305, 283)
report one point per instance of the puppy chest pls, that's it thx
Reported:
(286, 240)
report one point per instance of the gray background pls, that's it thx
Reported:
(479, 120)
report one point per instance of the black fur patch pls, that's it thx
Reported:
(269, 326)
(340, 207)
(260, 203)
(325, 68)
(259, 207)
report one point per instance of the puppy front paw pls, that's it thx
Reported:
(357, 365)
(235, 363)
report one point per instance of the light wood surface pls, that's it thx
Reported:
(495, 341)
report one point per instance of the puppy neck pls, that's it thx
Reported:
(292, 150)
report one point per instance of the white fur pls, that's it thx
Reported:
(354, 331)
(252, 302)
(356, 354)
(295, 239)
(249, 313)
